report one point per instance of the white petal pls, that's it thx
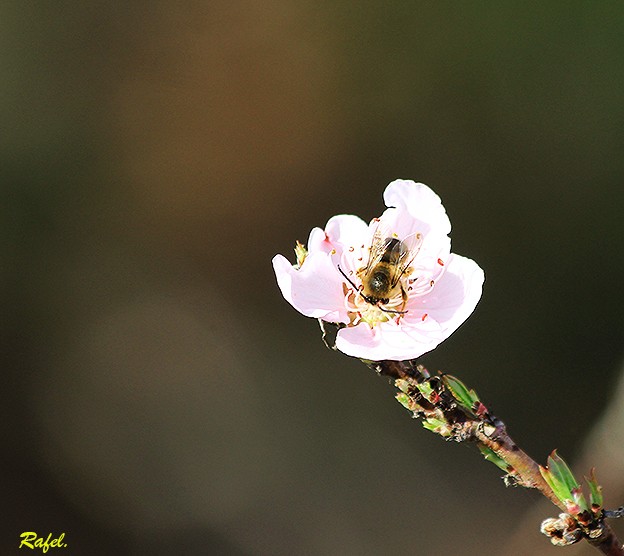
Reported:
(455, 294)
(417, 209)
(315, 289)
(388, 341)
(450, 303)
(350, 237)
(346, 230)
(318, 242)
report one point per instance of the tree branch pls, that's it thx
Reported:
(448, 408)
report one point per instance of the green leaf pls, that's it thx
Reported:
(490, 455)
(402, 385)
(405, 401)
(439, 426)
(555, 481)
(595, 490)
(557, 465)
(559, 477)
(425, 389)
(301, 253)
(466, 398)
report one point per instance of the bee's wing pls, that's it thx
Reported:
(410, 247)
(379, 243)
(412, 244)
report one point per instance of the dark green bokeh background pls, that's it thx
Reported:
(160, 397)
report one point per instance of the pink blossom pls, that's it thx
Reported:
(431, 291)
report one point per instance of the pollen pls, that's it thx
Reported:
(424, 317)
(440, 262)
(363, 311)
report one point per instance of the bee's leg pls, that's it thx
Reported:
(349, 279)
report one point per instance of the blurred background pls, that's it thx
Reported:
(160, 397)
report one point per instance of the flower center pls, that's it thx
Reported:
(383, 278)
(362, 309)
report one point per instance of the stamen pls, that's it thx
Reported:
(363, 308)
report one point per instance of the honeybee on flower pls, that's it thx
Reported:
(393, 284)
(388, 264)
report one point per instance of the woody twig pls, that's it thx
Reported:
(447, 407)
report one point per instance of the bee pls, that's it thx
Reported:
(389, 260)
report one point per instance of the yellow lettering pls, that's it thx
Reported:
(46, 545)
(28, 536)
(31, 540)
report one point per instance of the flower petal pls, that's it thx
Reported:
(389, 340)
(440, 289)
(346, 230)
(455, 294)
(345, 238)
(318, 242)
(429, 321)
(424, 207)
(350, 237)
(315, 289)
